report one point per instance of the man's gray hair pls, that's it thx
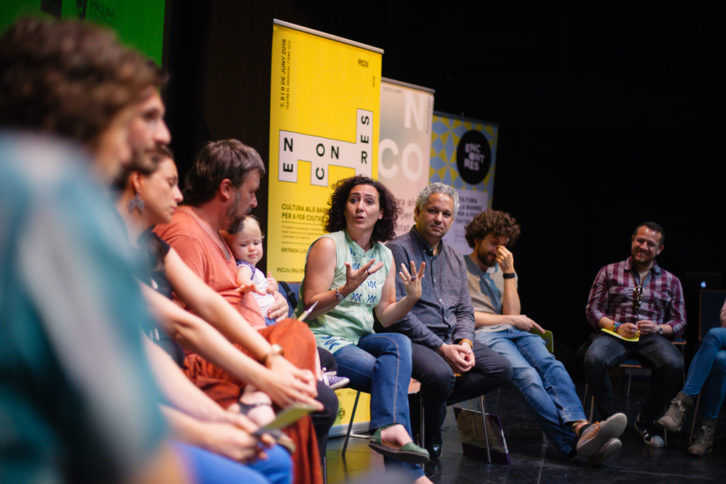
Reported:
(437, 187)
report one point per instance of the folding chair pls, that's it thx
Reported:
(414, 387)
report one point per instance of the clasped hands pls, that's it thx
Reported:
(642, 327)
(459, 356)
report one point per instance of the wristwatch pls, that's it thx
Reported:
(660, 329)
(275, 350)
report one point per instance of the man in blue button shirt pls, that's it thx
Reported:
(447, 362)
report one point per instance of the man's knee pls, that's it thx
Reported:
(594, 358)
(714, 336)
(437, 380)
(673, 360)
(526, 377)
(501, 370)
(719, 363)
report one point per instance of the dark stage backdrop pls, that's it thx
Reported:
(609, 115)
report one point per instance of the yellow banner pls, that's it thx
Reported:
(324, 126)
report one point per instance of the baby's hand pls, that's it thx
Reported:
(272, 286)
(245, 288)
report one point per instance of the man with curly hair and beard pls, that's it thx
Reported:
(536, 373)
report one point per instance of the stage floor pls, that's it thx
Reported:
(530, 461)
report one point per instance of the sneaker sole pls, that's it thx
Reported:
(658, 444)
(668, 424)
(612, 427)
(698, 454)
(609, 449)
(340, 384)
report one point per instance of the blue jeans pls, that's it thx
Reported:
(709, 367)
(380, 364)
(211, 468)
(543, 381)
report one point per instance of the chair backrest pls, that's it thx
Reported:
(549, 338)
(710, 302)
(290, 290)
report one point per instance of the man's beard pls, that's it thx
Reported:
(488, 259)
(236, 225)
(141, 161)
(235, 219)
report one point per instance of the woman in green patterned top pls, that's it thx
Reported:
(349, 274)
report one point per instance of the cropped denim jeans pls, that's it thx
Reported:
(708, 372)
(380, 364)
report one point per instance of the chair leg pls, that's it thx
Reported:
(499, 399)
(350, 423)
(695, 416)
(421, 420)
(588, 402)
(630, 379)
(483, 406)
(325, 469)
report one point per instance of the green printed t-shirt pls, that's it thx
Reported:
(352, 318)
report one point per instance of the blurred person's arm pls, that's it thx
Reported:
(185, 395)
(193, 333)
(221, 438)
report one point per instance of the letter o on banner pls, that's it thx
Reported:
(412, 169)
(387, 170)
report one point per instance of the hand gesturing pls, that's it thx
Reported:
(412, 280)
(354, 278)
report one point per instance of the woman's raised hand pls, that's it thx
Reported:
(412, 280)
(354, 278)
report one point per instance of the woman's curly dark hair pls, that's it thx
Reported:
(335, 218)
(492, 222)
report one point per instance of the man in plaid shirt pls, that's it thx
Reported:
(636, 298)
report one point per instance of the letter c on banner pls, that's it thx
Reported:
(392, 168)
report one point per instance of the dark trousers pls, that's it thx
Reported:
(323, 420)
(440, 387)
(327, 360)
(653, 351)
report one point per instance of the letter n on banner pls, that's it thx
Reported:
(404, 149)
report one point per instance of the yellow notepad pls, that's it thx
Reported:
(619, 336)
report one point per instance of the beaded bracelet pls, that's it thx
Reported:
(616, 325)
